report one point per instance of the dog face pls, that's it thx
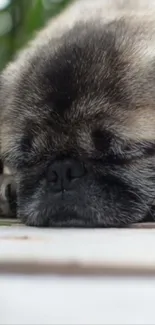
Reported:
(80, 128)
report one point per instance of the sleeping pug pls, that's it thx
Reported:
(77, 110)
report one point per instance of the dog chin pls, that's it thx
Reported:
(70, 222)
(73, 219)
(61, 217)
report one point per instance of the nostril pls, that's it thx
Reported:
(53, 176)
(76, 171)
(69, 174)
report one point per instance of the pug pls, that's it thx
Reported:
(77, 116)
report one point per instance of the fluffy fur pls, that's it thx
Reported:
(82, 93)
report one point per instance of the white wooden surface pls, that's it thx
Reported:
(76, 301)
(77, 297)
(134, 247)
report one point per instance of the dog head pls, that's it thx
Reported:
(78, 127)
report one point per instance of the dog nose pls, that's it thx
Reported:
(62, 174)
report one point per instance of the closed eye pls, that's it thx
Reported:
(138, 149)
(121, 154)
(112, 149)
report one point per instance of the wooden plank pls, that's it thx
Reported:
(77, 251)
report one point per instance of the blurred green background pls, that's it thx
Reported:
(19, 19)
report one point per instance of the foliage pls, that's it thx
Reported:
(19, 19)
